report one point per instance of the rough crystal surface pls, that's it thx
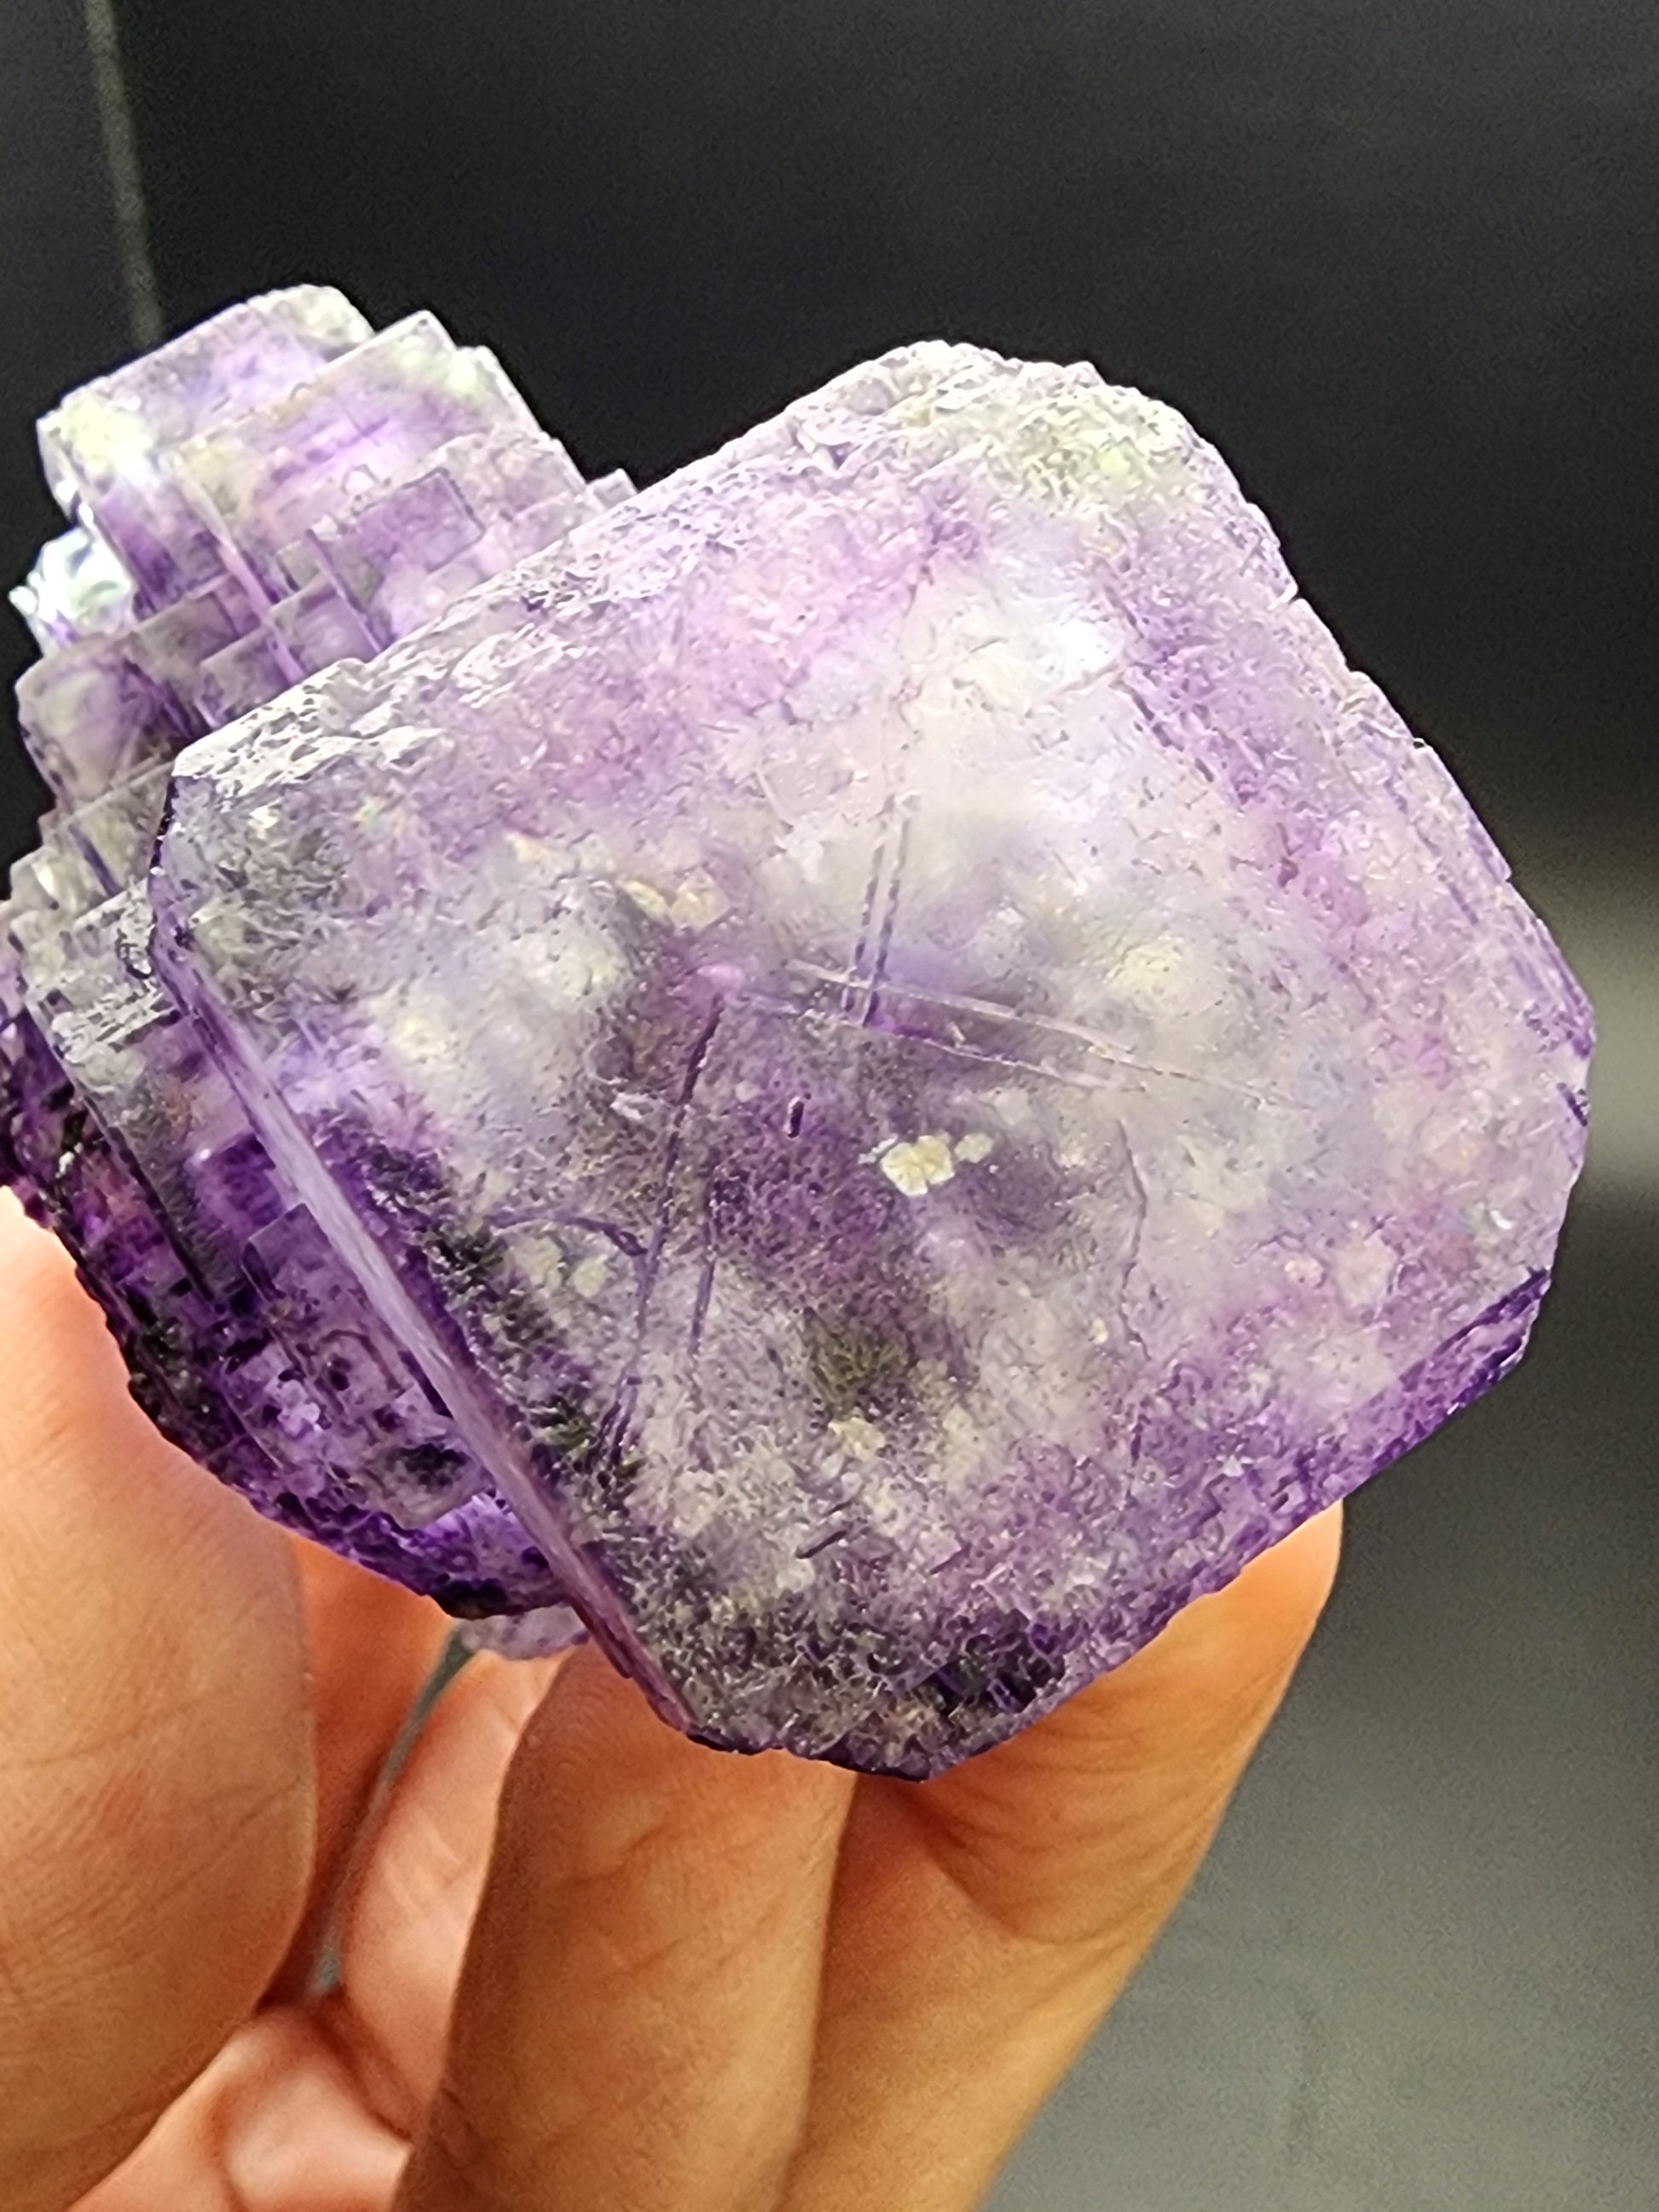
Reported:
(863, 1071)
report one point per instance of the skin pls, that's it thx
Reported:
(583, 1962)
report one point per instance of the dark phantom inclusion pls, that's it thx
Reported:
(860, 1072)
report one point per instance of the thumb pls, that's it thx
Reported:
(155, 1757)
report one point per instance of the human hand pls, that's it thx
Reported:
(665, 1979)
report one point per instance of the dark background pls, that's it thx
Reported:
(1400, 259)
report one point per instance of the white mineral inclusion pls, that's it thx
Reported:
(918, 1166)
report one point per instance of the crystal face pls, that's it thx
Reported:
(862, 1072)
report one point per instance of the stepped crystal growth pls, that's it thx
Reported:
(863, 1071)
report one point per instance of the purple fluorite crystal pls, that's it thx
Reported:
(863, 1071)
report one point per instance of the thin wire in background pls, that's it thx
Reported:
(127, 184)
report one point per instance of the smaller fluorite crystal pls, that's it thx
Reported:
(860, 1072)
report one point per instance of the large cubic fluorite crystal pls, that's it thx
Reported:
(862, 1072)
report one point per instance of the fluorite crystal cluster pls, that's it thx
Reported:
(860, 1072)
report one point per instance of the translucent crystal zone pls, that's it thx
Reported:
(276, 488)
(908, 1065)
